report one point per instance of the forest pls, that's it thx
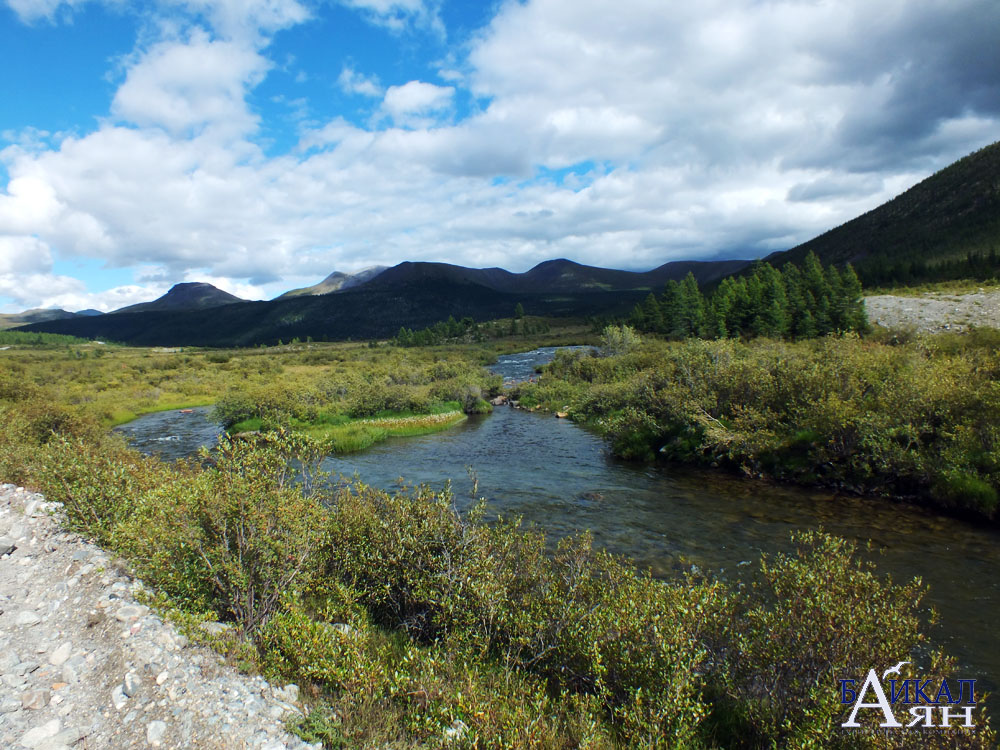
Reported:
(792, 303)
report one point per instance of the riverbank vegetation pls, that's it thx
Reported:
(888, 415)
(303, 384)
(409, 625)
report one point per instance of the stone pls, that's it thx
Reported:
(215, 628)
(35, 699)
(69, 736)
(131, 684)
(274, 745)
(9, 706)
(6, 545)
(35, 737)
(70, 672)
(155, 731)
(61, 654)
(131, 612)
(27, 618)
(27, 667)
(8, 660)
(290, 692)
(118, 697)
(13, 681)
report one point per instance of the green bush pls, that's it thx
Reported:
(258, 529)
(806, 621)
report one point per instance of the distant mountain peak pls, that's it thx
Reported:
(337, 281)
(187, 295)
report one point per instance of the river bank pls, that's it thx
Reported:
(85, 664)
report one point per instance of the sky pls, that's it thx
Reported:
(260, 145)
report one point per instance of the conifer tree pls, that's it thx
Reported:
(691, 320)
(653, 317)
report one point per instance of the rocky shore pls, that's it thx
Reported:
(83, 664)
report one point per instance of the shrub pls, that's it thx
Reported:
(617, 340)
(807, 620)
(258, 528)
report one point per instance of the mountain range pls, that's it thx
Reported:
(955, 213)
(39, 315)
(414, 295)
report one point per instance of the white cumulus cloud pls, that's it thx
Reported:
(352, 82)
(185, 87)
(413, 102)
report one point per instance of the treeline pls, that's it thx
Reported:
(881, 271)
(23, 338)
(467, 329)
(792, 303)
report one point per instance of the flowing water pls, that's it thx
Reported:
(562, 479)
(172, 434)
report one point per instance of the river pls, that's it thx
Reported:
(562, 478)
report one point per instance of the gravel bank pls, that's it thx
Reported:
(84, 665)
(933, 312)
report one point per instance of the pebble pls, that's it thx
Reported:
(155, 732)
(35, 699)
(118, 697)
(61, 654)
(131, 612)
(35, 737)
(215, 628)
(131, 684)
(28, 618)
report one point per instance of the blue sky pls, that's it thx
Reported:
(262, 144)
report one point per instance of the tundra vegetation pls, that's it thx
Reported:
(411, 625)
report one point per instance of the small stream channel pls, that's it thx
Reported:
(562, 478)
